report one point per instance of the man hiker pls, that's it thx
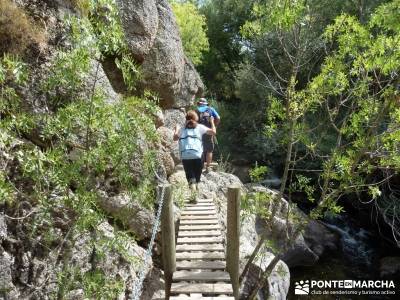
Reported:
(206, 113)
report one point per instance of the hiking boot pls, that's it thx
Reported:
(193, 193)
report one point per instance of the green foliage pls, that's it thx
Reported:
(221, 62)
(256, 204)
(6, 189)
(303, 184)
(274, 14)
(12, 71)
(362, 72)
(98, 286)
(107, 27)
(95, 284)
(257, 173)
(193, 30)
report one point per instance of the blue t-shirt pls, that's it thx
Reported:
(214, 113)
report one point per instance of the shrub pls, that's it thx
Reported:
(17, 30)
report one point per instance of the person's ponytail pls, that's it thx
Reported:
(191, 119)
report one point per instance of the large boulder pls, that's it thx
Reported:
(98, 79)
(152, 33)
(279, 280)
(174, 117)
(169, 149)
(140, 22)
(309, 245)
(30, 271)
(137, 218)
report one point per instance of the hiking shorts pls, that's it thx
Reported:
(208, 143)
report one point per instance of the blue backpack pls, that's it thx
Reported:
(190, 144)
(205, 116)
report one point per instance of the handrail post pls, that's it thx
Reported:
(168, 237)
(232, 237)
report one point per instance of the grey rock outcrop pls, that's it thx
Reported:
(25, 265)
(140, 23)
(170, 152)
(6, 284)
(98, 79)
(174, 117)
(3, 228)
(138, 219)
(152, 33)
(279, 280)
(308, 246)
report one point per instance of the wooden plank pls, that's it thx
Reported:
(199, 227)
(198, 212)
(197, 208)
(183, 233)
(200, 255)
(200, 247)
(189, 221)
(203, 217)
(204, 288)
(199, 240)
(190, 265)
(201, 276)
(201, 204)
(197, 298)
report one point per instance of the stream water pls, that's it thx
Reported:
(357, 257)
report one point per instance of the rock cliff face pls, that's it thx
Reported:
(34, 267)
(153, 37)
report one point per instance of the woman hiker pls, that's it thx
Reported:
(191, 148)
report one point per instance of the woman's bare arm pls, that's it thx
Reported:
(176, 133)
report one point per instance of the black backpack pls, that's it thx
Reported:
(204, 117)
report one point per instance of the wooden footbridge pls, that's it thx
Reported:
(196, 264)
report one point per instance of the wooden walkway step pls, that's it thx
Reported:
(204, 288)
(200, 255)
(200, 247)
(197, 208)
(199, 240)
(203, 265)
(201, 276)
(198, 221)
(199, 233)
(192, 218)
(199, 227)
(201, 204)
(198, 212)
